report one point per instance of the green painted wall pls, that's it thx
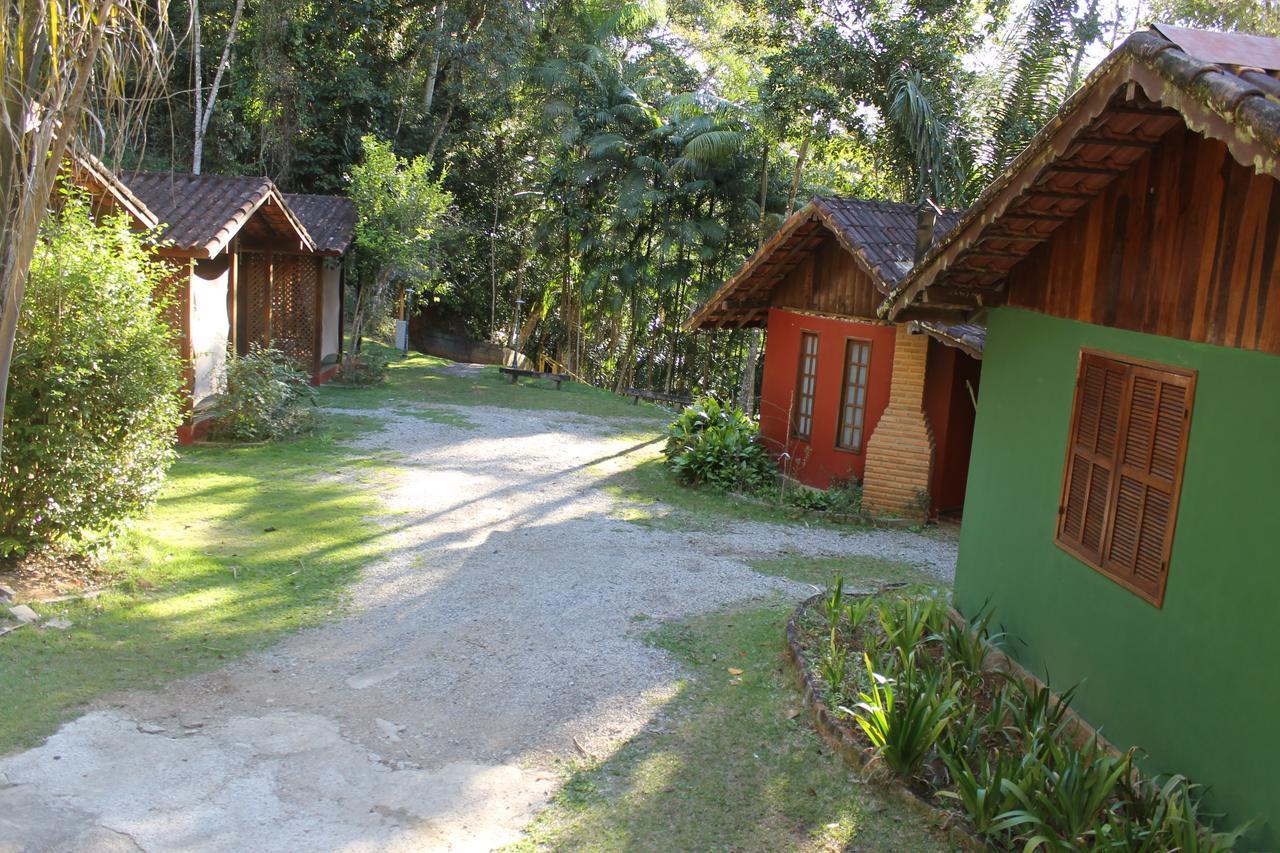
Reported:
(1197, 683)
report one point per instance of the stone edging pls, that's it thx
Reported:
(843, 740)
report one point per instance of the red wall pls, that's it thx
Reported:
(950, 410)
(818, 461)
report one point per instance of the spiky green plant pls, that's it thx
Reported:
(1062, 808)
(833, 604)
(903, 718)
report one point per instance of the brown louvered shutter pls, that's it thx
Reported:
(1124, 469)
(1091, 464)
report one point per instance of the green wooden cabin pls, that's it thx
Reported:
(1123, 510)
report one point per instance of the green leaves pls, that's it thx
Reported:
(93, 393)
(904, 726)
(1002, 749)
(266, 398)
(714, 444)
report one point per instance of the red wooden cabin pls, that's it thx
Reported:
(846, 395)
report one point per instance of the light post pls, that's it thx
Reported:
(515, 330)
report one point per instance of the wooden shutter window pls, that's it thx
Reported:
(1123, 472)
(853, 403)
(806, 384)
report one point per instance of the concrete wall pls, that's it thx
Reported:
(1194, 683)
(210, 327)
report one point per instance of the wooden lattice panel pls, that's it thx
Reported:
(255, 281)
(293, 316)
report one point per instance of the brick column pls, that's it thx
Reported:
(900, 451)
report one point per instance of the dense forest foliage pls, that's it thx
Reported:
(611, 162)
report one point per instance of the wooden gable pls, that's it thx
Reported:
(1184, 245)
(1148, 204)
(829, 281)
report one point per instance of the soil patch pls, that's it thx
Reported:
(53, 573)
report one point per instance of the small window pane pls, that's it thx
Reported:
(857, 359)
(806, 384)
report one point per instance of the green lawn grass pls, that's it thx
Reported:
(244, 544)
(730, 764)
(431, 385)
(858, 572)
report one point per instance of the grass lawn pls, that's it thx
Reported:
(244, 544)
(731, 764)
(858, 572)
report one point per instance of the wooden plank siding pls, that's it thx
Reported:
(1184, 245)
(829, 282)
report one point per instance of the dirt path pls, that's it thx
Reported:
(502, 636)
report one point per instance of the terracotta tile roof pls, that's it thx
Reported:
(1155, 80)
(329, 219)
(879, 235)
(89, 172)
(884, 231)
(201, 213)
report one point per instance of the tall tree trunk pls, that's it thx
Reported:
(435, 137)
(433, 70)
(493, 262)
(795, 178)
(1087, 30)
(764, 190)
(197, 80)
(747, 383)
(204, 111)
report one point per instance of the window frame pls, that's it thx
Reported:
(844, 397)
(799, 386)
(1101, 563)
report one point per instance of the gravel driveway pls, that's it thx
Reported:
(501, 637)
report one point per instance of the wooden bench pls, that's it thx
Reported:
(516, 372)
(656, 397)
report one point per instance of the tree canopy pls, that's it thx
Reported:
(611, 162)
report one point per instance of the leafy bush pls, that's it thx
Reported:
(368, 368)
(715, 444)
(906, 622)
(843, 497)
(266, 398)
(982, 791)
(1061, 805)
(968, 643)
(93, 394)
(1163, 814)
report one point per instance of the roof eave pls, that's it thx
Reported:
(118, 191)
(229, 229)
(814, 210)
(1157, 66)
(705, 311)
